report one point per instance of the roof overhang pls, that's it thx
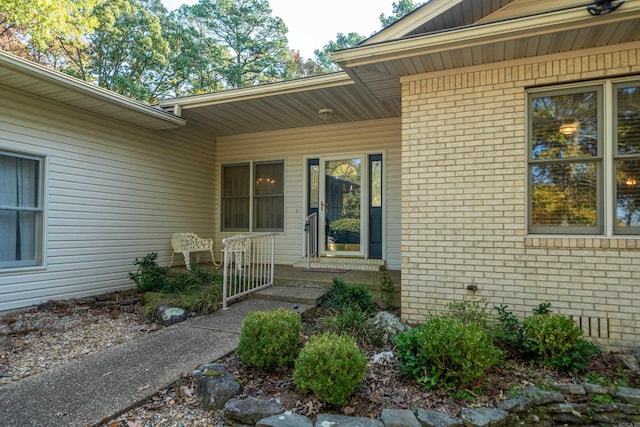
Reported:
(29, 77)
(379, 66)
(282, 105)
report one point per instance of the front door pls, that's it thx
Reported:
(341, 221)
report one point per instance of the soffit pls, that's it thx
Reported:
(26, 76)
(380, 66)
(284, 105)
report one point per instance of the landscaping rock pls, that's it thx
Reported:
(382, 358)
(481, 417)
(168, 315)
(628, 395)
(517, 404)
(286, 419)
(430, 418)
(596, 388)
(543, 397)
(399, 418)
(250, 410)
(215, 385)
(330, 420)
(384, 327)
(569, 388)
(628, 361)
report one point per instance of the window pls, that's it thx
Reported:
(20, 210)
(582, 163)
(627, 159)
(260, 204)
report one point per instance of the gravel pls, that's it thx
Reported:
(62, 331)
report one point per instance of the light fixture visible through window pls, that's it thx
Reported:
(568, 128)
(325, 113)
(630, 181)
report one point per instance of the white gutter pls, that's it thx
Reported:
(73, 84)
(260, 91)
(535, 25)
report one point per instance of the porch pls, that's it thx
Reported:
(302, 286)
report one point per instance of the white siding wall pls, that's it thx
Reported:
(295, 147)
(113, 193)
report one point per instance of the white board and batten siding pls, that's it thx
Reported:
(295, 146)
(113, 193)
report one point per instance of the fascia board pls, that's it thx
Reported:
(407, 24)
(481, 34)
(260, 91)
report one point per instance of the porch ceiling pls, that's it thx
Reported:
(283, 105)
(379, 66)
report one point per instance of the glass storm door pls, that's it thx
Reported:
(340, 214)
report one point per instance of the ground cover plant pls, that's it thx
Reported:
(197, 290)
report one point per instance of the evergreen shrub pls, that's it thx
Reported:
(446, 352)
(331, 366)
(556, 341)
(269, 339)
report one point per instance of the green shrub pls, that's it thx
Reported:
(508, 329)
(330, 366)
(149, 277)
(445, 352)
(470, 311)
(556, 341)
(340, 296)
(269, 339)
(351, 321)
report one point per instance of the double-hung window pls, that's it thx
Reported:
(584, 159)
(21, 200)
(253, 197)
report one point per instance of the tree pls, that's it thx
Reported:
(323, 56)
(127, 48)
(42, 30)
(254, 41)
(400, 9)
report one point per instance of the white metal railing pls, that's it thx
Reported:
(248, 265)
(311, 231)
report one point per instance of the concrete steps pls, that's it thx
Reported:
(304, 295)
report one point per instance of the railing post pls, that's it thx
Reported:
(273, 251)
(225, 276)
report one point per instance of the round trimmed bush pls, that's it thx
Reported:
(556, 341)
(446, 352)
(269, 339)
(331, 366)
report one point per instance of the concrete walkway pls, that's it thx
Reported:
(101, 385)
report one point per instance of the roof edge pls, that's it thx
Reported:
(408, 23)
(74, 84)
(260, 91)
(478, 34)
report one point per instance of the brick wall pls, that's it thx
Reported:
(464, 202)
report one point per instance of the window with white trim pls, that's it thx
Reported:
(21, 212)
(584, 159)
(253, 197)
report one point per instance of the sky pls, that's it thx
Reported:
(312, 23)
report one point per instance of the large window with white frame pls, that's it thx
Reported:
(584, 159)
(21, 211)
(252, 197)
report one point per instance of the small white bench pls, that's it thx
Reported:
(185, 243)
